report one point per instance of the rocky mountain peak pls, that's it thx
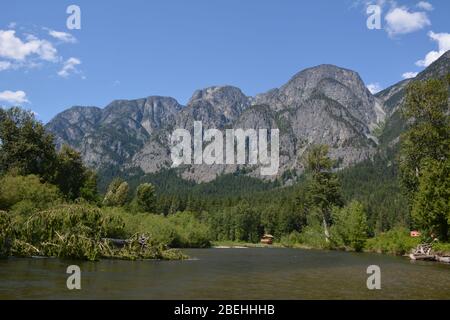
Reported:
(308, 81)
(219, 95)
(226, 100)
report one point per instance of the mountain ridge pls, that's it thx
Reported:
(325, 104)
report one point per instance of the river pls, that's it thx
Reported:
(259, 273)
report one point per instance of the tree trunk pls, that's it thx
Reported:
(325, 228)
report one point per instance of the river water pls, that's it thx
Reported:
(260, 273)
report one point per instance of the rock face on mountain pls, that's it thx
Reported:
(393, 97)
(330, 82)
(321, 105)
(111, 136)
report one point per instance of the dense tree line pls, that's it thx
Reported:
(425, 161)
(27, 149)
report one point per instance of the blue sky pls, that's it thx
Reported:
(133, 49)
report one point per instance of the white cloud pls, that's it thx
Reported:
(12, 97)
(5, 65)
(409, 75)
(425, 6)
(401, 21)
(12, 25)
(12, 47)
(63, 36)
(70, 66)
(374, 88)
(443, 40)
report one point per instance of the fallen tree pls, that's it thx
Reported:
(75, 231)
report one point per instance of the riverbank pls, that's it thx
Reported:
(245, 245)
(441, 249)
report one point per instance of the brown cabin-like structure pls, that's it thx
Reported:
(267, 239)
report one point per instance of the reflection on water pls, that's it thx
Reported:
(229, 274)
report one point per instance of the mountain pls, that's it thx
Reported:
(110, 136)
(320, 105)
(393, 97)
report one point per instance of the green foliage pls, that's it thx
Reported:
(239, 223)
(291, 240)
(431, 206)
(25, 146)
(70, 175)
(134, 249)
(192, 233)
(350, 226)
(312, 235)
(117, 193)
(6, 234)
(181, 230)
(442, 249)
(428, 137)
(89, 189)
(26, 194)
(77, 231)
(145, 197)
(323, 188)
(69, 231)
(425, 152)
(396, 241)
(375, 184)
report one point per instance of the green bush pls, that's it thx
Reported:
(350, 226)
(181, 230)
(191, 232)
(6, 233)
(291, 240)
(117, 193)
(79, 231)
(442, 248)
(159, 229)
(24, 207)
(76, 231)
(396, 241)
(26, 194)
(70, 231)
(145, 197)
(240, 223)
(313, 236)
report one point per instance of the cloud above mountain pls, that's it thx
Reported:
(425, 6)
(14, 97)
(16, 49)
(31, 49)
(443, 41)
(402, 20)
(62, 36)
(69, 67)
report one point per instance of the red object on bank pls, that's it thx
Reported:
(415, 234)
